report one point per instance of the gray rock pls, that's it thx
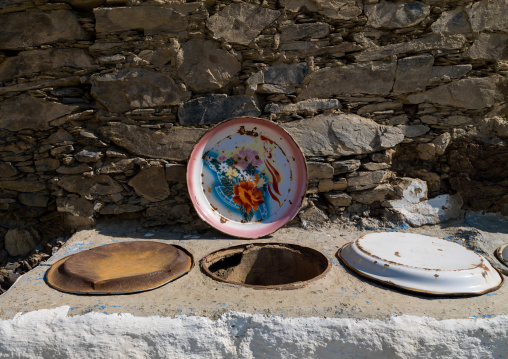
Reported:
(204, 66)
(298, 46)
(88, 156)
(118, 166)
(34, 28)
(319, 170)
(338, 199)
(413, 130)
(47, 164)
(441, 143)
(152, 19)
(432, 42)
(67, 170)
(137, 88)
(334, 9)
(376, 194)
(488, 15)
(33, 200)
(360, 181)
(346, 166)
(369, 78)
(489, 47)
(151, 184)
(171, 144)
(7, 169)
(312, 216)
(176, 173)
(327, 185)
(240, 23)
(426, 151)
(380, 106)
(60, 137)
(440, 73)
(29, 62)
(395, 15)
(90, 187)
(304, 31)
(274, 89)
(452, 22)
(286, 75)
(215, 108)
(83, 4)
(342, 135)
(76, 212)
(412, 74)
(26, 112)
(18, 242)
(375, 166)
(307, 106)
(22, 186)
(470, 93)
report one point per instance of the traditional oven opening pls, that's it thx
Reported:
(266, 265)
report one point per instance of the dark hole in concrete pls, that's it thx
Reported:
(266, 265)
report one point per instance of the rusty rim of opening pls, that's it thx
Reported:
(499, 253)
(98, 271)
(414, 290)
(214, 257)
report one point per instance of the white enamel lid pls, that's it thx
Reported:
(502, 254)
(420, 263)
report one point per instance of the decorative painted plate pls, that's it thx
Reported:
(247, 177)
(420, 263)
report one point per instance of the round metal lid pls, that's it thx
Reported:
(118, 268)
(247, 177)
(420, 263)
(502, 253)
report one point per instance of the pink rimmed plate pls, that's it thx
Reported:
(247, 177)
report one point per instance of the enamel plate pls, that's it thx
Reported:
(502, 254)
(420, 263)
(247, 177)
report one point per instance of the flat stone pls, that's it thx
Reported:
(312, 216)
(304, 31)
(488, 15)
(7, 169)
(426, 151)
(22, 186)
(342, 135)
(137, 88)
(88, 156)
(76, 212)
(68, 170)
(83, 4)
(33, 200)
(470, 93)
(452, 22)
(412, 74)
(34, 28)
(60, 137)
(413, 130)
(151, 184)
(319, 170)
(454, 121)
(47, 164)
(489, 47)
(395, 15)
(287, 75)
(334, 9)
(338, 199)
(369, 78)
(298, 46)
(120, 209)
(306, 106)
(376, 194)
(151, 19)
(500, 126)
(29, 62)
(27, 112)
(432, 42)
(90, 187)
(204, 66)
(174, 144)
(327, 185)
(346, 166)
(363, 180)
(375, 166)
(441, 143)
(240, 23)
(275, 89)
(440, 73)
(412, 190)
(380, 106)
(436, 210)
(18, 242)
(176, 173)
(118, 166)
(215, 108)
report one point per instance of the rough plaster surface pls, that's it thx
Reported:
(51, 333)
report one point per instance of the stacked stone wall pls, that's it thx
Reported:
(399, 106)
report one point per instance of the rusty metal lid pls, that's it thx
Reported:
(420, 263)
(502, 253)
(118, 268)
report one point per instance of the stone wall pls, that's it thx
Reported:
(400, 107)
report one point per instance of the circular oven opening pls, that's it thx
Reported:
(266, 265)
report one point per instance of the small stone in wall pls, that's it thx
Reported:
(240, 23)
(88, 156)
(18, 242)
(441, 143)
(215, 108)
(345, 166)
(304, 31)
(22, 186)
(176, 173)
(395, 15)
(375, 166)
(33, 200)
(7, 169)
(327, 185)
(90, 187)
(338, 199)
(414, 130)
(319, 170)
(334, 9)
(412, 74)
(426, 151)
(307, 106)
(442, 73)
(151, 184)
(452, 22)
(47, 165)
(488, 15)
(376, 194)
(360, 181)
(77, 212)
(68, 170)
(118, 166)
(489, 47)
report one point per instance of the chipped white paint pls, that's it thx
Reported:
(50, 333)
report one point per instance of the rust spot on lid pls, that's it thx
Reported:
(387, 265)
(213, 207)
(243, 131)
(205, 154)
(436, 275)
(397, 254)
(223, 220)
